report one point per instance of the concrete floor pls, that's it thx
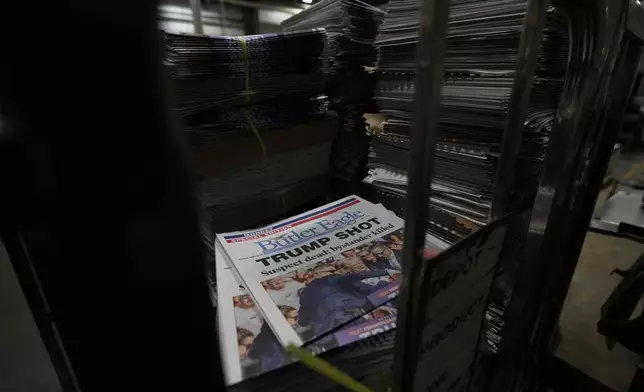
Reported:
(24, 362)
(581, 345)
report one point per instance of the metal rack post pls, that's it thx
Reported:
(195, 5)
(580, 141)
(519, 101)
(428, 80)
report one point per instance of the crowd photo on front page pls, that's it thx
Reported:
(333, 294)
(320, 297)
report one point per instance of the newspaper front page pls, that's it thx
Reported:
(315, 273)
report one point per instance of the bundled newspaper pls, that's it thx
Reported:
(351, 26)
(254, 110)
(320, 280)
(476, 95)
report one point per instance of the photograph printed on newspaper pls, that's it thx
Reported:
(248, 345)
(240, 325)
(316, 272)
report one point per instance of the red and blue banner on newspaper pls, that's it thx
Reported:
(289, 224)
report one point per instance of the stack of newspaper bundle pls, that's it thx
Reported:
(254, 111)
(483, 37)
(352, 26)
(322, 280)
(211, 72)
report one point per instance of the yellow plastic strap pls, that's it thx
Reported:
(255, 131)
(242, 42)
(326, 369)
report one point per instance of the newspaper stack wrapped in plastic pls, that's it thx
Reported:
(325, 280)
(352, 26)
(480, 61)
(215, 72)
(255, 112)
